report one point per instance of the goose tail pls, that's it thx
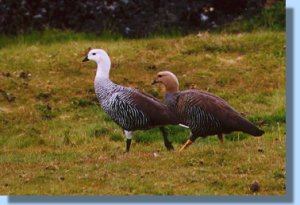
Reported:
(250, 128)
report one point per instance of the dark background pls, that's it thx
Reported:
(133, 18)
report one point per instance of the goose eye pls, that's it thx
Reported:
(159, 76)
(93, 54)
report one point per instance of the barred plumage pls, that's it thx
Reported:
(204, 113)
(117, 102)
(129, 108)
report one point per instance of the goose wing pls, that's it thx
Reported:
(153, 108)
(134, 110)
(213, 105)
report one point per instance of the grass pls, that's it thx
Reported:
(55, 139)
(271, 17)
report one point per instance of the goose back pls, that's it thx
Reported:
(131, 109)
(207, 114)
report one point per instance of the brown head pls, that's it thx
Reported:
(168, 79)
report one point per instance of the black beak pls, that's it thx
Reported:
(154, 82)
(85, 59)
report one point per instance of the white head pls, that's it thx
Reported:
(103, 62)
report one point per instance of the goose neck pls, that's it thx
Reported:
(102, 70)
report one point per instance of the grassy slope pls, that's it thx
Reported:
(55, 139)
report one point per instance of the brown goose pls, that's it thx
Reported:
(129, 108)
(204, 113)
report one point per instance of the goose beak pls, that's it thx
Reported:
(154, 82)
(85, 59)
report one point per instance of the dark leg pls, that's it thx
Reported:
(128, 143)
(128, 135)
(221, 138)
(188, 142)
(167, 142)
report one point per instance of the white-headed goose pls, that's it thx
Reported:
(129, 108)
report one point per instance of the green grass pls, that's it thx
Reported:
(50, 36)
(55, 139)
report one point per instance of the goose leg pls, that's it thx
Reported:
(128, 135)
(167, 142)
(188, 142)
(221, 138)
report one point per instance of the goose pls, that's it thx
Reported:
(130, 109)
(204, 113)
